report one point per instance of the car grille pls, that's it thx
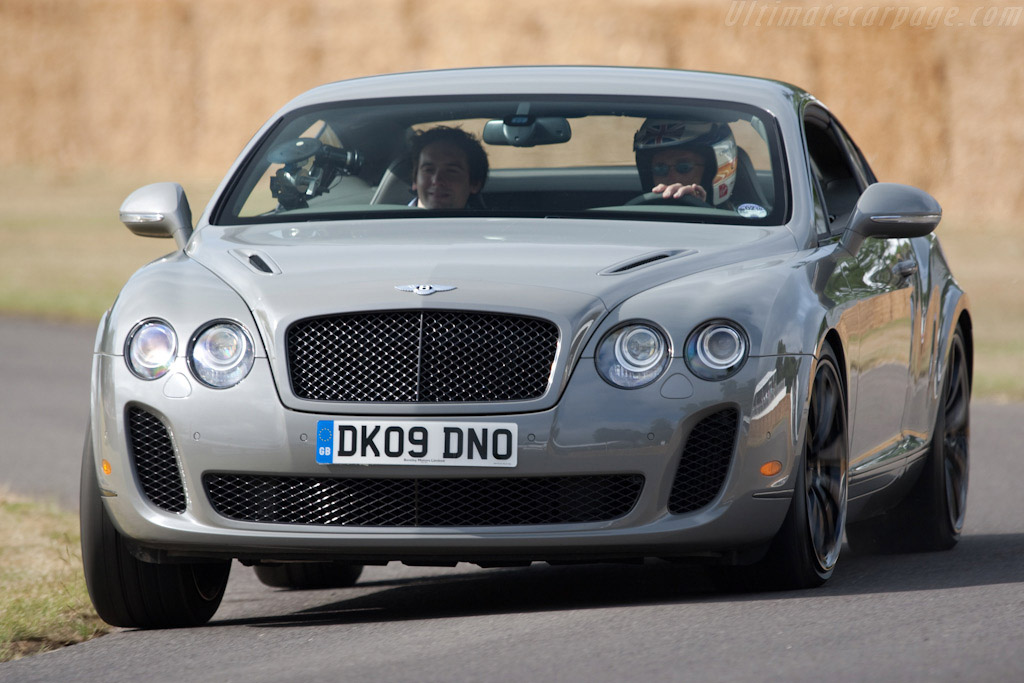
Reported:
(421, 357)
(154, 460)
(705, 462)
(423, 502)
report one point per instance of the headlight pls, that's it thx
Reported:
(150, 349)
(221, 354)
(632, 356)
(716, 350)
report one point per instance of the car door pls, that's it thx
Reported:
(882, 277)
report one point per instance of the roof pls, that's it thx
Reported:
(768, 94)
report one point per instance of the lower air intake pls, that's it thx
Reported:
(422, 502)
(707, 454)
(154, 460)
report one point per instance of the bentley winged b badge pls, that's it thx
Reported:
(424, 290)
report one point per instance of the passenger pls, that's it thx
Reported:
(681, 158)
(449, 168)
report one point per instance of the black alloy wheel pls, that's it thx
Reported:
(806, 549)
(931, 516)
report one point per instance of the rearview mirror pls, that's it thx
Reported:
(159, 210)
(523, 130)
(890, 210)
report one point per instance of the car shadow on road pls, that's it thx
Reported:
(976, 561)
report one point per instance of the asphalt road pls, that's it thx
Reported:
(932, 617)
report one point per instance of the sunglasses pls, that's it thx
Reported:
(681, 167)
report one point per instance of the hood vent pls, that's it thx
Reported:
(644, 260)
(257, 261)
(259, 264)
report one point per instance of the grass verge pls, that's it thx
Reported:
(986, 260)
(66, 253)
(44, 604)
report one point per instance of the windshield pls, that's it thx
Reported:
(515, 156)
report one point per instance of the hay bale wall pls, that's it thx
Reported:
(178, 86)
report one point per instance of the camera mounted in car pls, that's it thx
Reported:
(300, 179)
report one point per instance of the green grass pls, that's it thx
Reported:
(66, 255)
(986, 260)
(43, 600)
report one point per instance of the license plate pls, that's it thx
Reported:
(367, 442)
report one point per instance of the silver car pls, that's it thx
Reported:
(510, 315)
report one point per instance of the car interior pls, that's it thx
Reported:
(577, 189)
(356, 161)
(840, 188)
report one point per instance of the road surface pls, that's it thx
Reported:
(955, 616)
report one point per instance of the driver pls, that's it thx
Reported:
(681, 158)
(449, 168)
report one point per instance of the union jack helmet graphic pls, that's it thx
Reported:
(714, 141)
(659, 133)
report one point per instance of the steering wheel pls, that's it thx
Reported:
(655, 198)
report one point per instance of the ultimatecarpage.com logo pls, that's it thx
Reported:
(777, 14)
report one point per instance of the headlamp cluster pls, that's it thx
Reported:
(636, 354)
(220, 354)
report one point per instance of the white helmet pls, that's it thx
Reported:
(713, 141)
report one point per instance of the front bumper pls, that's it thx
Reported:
(594, 429)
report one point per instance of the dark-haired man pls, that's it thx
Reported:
(449, 167)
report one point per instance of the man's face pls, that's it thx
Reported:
(442, 178)
(677, 166)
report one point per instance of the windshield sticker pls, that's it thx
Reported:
(752, 211)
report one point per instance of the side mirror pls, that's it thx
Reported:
(891, 210)
(159, 210)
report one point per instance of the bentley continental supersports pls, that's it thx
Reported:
(515, 315)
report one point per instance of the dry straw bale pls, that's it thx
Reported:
(179, 85)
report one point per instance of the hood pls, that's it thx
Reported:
(539, 267)
(571, 273)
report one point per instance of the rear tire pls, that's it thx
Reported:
(931, 517)
(128, 592)
(309, 575)
(805, 551)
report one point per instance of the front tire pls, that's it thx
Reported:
(128, 592)
(805, 551)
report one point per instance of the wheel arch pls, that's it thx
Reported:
(967, 328)
(835, 341)
(955, 313)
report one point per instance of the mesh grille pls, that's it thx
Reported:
(421, 357)
(705, 462)
(155, 462)
(423, 502)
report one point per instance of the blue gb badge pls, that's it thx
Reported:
(324, 442)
